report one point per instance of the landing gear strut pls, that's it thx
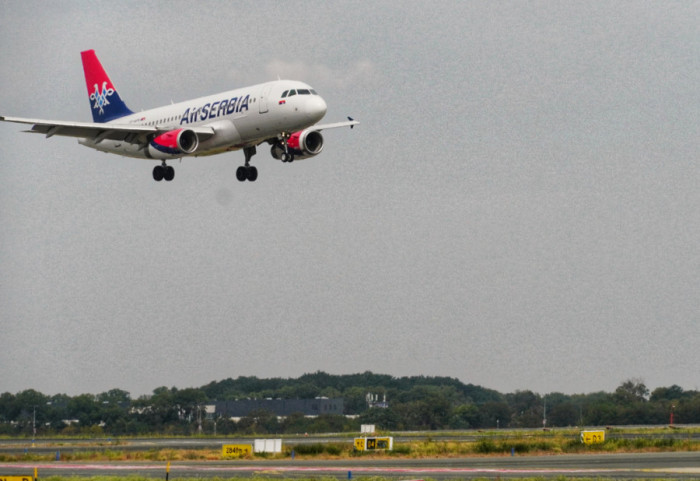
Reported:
(286, 156)
(247, 171)
(163, 171)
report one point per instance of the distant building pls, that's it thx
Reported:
(374, 402)
(280, 407)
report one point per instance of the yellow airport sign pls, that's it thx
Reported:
(236, 450)
(374, 444)
(592, 437)
(16, 478)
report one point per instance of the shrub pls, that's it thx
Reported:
(401, 450)
(310, 449)
(334, 449)
(485, 446)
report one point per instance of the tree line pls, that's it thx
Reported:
(413, 403)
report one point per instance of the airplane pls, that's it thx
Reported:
(283, 113)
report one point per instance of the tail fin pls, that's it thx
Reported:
(105, 102)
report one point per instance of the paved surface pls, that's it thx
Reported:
(619, 466)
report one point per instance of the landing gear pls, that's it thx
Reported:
(163, 171)
(247, 171)
(244, 173)
(286, 155)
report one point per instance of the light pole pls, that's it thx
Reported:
(34, 426)
(672, 407)
(544, 414)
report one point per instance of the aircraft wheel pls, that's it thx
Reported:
(158, 173)
(241, 174)
(169, 173)
(252, 173)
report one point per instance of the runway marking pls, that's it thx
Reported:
(340, 469)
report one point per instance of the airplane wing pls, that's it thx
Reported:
(349, 123)
(135, 134)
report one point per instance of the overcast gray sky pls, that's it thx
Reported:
(518, 208)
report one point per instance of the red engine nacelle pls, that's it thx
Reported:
(302, 144)
(173, 143)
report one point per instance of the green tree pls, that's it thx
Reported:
(115, 396)
(495, 414)
(354, 401)
(631, 391)
(259, 421)
(157, 411)
(188, 402)
(527, 408)
(672, 393)
(688, 409)
(86, 409)
(9, 409)
(295, 423)
(383, 418)
(465, 416)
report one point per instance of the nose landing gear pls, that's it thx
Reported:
(286, 155)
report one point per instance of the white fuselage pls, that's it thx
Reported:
(240, 118)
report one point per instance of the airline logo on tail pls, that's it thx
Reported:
(100, 98)
(105, 102)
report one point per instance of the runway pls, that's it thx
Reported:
(677, 465)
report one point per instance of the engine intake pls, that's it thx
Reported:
(174, 142)
(303, 144)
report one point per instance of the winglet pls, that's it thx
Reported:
(105, 102)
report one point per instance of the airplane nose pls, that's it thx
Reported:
(316, 108)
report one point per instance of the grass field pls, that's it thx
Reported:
(494, 443)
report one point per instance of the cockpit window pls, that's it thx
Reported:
(292, 92)
(304, 92)
(313, 92)
(284, 94)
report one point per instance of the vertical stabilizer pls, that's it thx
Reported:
(105, 102)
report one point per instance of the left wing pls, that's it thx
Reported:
(348, 123)
(134, 134)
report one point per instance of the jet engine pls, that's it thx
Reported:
(173, 143)
(302, 145)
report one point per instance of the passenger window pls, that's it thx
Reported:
(284, 94)
(304, 92)
(292, 92)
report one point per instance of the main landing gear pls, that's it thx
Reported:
(247, 171)
(163, 171)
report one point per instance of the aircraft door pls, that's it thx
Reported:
(263, 98)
